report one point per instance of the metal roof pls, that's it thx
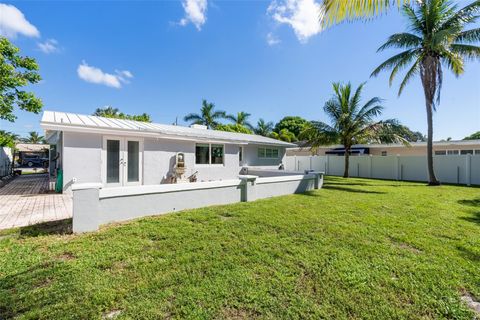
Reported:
(61, 121)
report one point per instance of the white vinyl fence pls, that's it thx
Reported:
(456, 169)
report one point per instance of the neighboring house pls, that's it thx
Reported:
(415, 149)
(119, 152)
(32, 154)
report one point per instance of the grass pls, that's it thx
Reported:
(355, 249)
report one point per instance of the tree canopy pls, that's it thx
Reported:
(233, 127)
(293, 124)
(207, 116)
(110, 112)
(473, 136)
(16, 72)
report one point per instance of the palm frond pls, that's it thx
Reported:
(468, 36)
(409, 75)
(467, 51)
(402, 41)
(395, 60)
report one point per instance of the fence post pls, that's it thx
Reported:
(468, 169)
(310, 163)
(370, 166)
(396, 167)
(295, 163)
(86, 203)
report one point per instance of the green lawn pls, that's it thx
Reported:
(355, 249)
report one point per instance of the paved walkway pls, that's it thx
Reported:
(24, 202)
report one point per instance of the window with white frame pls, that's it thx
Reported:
(268, 153)
(207, 153)
(477, 152)
(466, 151)
(440, 152)
(384, 153)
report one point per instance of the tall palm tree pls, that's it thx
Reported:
(108, 112)
(336, 11)
(437, 38)
(350, 123)
(207, 117)
(241, 119)
(34, 137)
(263, 128)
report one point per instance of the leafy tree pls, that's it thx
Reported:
(294, 125)
(241, 119)
(7, 139)
(407, 134)
(284, 135)
(438, 38)
(110, 112)
(350, 123)
(34, 137)
(263, 128)
(207, 117)
(16, 72)
(233, 127)
(473, 136)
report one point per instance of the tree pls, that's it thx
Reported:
(437, 38)
(336, 11)
(34, 137)
(294, 125)
(241, 119)
(473, 136)
(263, 128)
(284, 135)
(407, 134)
(16, 72)
(233, 127)
(110, 112)
(350, 123)
(207, 117)
(7, 139)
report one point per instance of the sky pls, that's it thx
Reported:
(267, 58)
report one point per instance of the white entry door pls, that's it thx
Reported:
(122, 161)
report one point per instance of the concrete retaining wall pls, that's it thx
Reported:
(94, 206)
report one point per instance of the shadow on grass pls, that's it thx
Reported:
(338, 188)
(475, 218)
(469, 253)
(47, 228)
(470, 202)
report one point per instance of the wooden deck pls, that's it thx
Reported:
(25, 201)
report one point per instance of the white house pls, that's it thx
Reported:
(117, 152)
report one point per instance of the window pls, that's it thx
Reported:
(217, 153)
(466, 152)
(267, 153)
(209, 153)
(440, 152)
(202, 154)
(477, 152)
(384, 153)
(452, 152)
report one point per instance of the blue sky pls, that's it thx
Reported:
(163, 58)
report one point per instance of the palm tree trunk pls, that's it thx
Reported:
(347, 162)
(428, 73)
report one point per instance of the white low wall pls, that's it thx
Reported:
(456, 169)
(94, 206)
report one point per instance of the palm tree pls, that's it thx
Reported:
(241, 119)
(437, 38)
(350, 123)
(283, 135)
(336, 11)
(263, 128)
(207, 116)
(107, 112)
(34, 137)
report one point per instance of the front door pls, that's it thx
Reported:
(122, 161)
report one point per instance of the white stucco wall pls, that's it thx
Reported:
(82, 159)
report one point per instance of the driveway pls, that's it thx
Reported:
(25, 201)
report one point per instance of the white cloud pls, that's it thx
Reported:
(97, 76)
(48, 46)
(302, 15)
(195, 12)
(272, 39)
(13, 22)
